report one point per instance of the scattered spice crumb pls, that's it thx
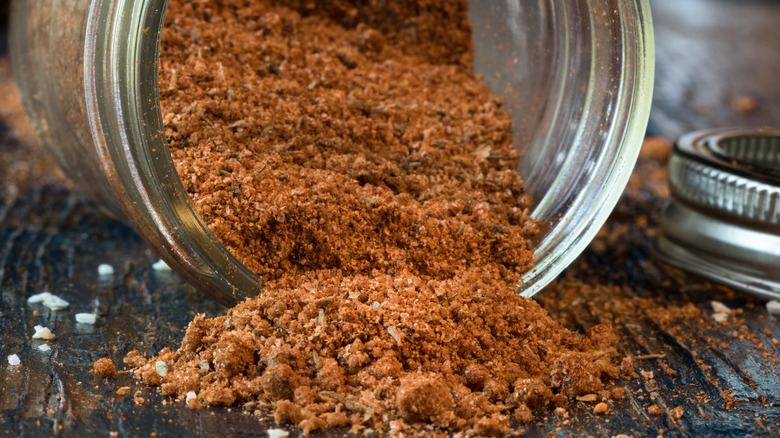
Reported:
(105, 367)
(122, 391)
(655, 410)
(600, 408)
(744, 104)
(678, 412)
(677, 304)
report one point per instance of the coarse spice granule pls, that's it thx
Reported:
(345, 152)
(104, 367)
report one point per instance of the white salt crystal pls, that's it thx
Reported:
(105, 269)
(38, 298)
(44, 347)
(86, 318)
(277, 433)
(721, 311)
(719, 307)
(191, 400)
(161, 266)
(161, 367)
(773, 307)
(42, 333)
(720, 317)
(394, 333)
(190, 396)
(13, 360)
(53, 302)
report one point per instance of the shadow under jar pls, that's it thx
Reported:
(576, 77)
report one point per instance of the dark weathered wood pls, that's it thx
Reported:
(52, 239)
(708, 54)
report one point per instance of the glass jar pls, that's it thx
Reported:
(576, 76)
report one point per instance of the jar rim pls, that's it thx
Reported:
(123, 101)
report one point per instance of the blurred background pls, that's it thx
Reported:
(715, 59)
(718, 64)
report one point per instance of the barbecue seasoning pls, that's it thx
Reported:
(345, 152)
(309, 144)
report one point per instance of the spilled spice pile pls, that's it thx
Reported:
(345, 151)
(464, 354)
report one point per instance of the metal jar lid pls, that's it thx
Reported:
(723, 220)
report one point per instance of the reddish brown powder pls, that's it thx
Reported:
(309, 145)
(401, 347)
(345, 152)
(105, 367)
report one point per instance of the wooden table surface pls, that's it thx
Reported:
(708, 54)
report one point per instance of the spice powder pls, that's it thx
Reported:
(345, 152)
